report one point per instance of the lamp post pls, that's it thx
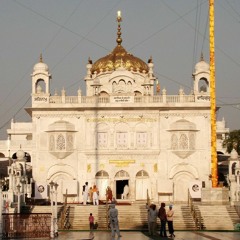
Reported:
(51, 184)
(1, 198)
(56, 218)
(23, 182)
(18, 194)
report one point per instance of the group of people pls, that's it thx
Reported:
(90, 194)
(166, 217)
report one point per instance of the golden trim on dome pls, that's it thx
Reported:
(119, 58)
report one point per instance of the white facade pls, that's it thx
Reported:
(120, 133)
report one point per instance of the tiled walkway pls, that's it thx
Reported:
(194, 235)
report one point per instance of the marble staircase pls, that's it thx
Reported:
(131, 217)
(134, 216)
(217, 217)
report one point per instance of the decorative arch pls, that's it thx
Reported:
(122, 175)
(63, 170)
(102, 127)
(121, 126)
(40, 86)
(203, 85)
(141, 127)
(181, 168)
(103, 94)
(142, 174)
(102, 174)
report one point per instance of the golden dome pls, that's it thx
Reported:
(119, 57)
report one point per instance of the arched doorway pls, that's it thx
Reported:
(181, 185)
(62, 180)
(121, 179)
(102, 182)
(143, 185)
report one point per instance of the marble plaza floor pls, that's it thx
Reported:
(137, 235)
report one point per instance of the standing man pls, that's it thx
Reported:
(113, 217)
(85, 193)
(163, 218)
(170, 214)
(152, 219)
(95, 195)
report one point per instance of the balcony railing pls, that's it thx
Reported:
(135, 99)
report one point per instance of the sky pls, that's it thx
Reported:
(68, 32)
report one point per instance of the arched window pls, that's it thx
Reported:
(122, 174)
(40, 86)
(102, 174)
(142, 174)
(203, 85)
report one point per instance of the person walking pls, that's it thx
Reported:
(113, 218)
(163, 218)
(152, 219)
(170, 214)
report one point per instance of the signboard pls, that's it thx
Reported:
(41, 190)
(122, 99)
(195, 189)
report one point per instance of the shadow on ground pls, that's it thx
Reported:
(157, 237)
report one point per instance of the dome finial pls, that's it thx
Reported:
(202, 59)
(40, 60)
(119, 19)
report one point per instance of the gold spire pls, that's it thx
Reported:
(119, 19)
(150, 60)
(119, 57)
(40, 60)
(89, 60)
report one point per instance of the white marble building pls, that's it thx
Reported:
(121, 132)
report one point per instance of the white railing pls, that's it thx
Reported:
(137, 99)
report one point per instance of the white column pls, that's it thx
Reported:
(52, 218)
(18, 194)
(56, 218)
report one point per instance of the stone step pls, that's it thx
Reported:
(217, 217)
(130, 217)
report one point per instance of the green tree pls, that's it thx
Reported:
(232, 139)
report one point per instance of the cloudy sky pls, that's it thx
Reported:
(68, 32)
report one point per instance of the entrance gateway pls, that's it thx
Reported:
(120, 184)
(121, 180)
